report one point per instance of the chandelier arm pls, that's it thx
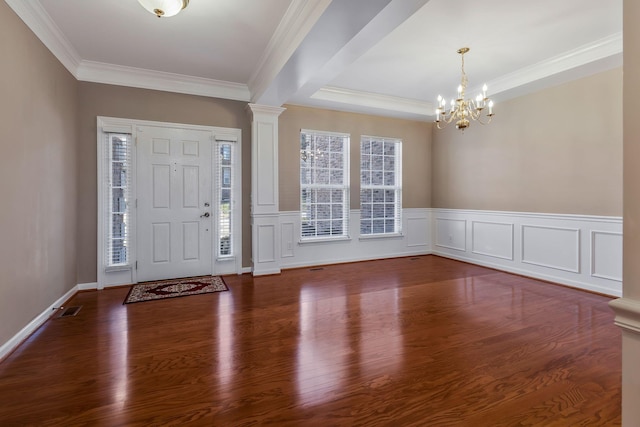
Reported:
(487, 122)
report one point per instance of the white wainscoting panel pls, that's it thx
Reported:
(493, 239)
(551, 247)
(414, 240)
(265, 252)
(288, 239)
(417, 231)
(451, 233)
(581, 251)
(606, 255)
(266, 239)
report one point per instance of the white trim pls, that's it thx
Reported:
(329, 133)
(306, 253)
(87, 286)
(592, 246)
(327, 261)
(99, 72)
(627, 313)
(296, 23)
(473, 240)
(529, 273)
(329, 239)
(32, 326)
(457, 248)
(597, 50)
(574, 271)
(128, 276)
(571, 217)
(544, 227)
(374, 100)
(38, 20)
(381, 236)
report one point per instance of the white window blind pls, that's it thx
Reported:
(225, 172)
(118, 233)
(380, 185)
(324, 184)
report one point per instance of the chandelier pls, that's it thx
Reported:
(164, 8)
(463, 110)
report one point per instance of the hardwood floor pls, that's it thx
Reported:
(421, 341)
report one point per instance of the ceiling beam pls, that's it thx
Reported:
(345, 31)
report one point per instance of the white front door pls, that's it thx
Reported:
(175, 197)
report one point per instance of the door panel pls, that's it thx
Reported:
(174, 191)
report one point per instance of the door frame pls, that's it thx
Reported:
(126, 274)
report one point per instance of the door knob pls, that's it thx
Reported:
(205, 215)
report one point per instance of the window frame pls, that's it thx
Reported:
(396, 188)
(314, 187)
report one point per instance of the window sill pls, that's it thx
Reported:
(226, 258)
(324, 240)
(381, 236)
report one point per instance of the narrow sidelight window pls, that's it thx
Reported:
(226, 173)
(118, 233)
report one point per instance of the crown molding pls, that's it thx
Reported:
(374, 100)
(98, 72)
(601, 49)
(40, 23)
(606, 48)
(293, 28)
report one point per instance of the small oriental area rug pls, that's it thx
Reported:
(175, 288)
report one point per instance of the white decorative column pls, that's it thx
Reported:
(265, 206)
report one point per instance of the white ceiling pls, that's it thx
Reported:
(388, 57)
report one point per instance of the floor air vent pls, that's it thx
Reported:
(70, 311)
(316, 269)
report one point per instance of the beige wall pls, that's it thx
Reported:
(38, 172)
(142, 104)
(416, 151)
(554, 151)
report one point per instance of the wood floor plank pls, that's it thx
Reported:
(422, 341)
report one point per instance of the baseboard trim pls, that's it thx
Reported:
(349, 260)
(87, 286)
(534, 275)
(8, 347)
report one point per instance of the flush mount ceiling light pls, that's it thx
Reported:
(164, 8)
(462, 110)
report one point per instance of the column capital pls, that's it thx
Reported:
(269, 110)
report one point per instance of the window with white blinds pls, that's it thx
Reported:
(118, 233)
(324, 185)
(225, 162)
(380, 186)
